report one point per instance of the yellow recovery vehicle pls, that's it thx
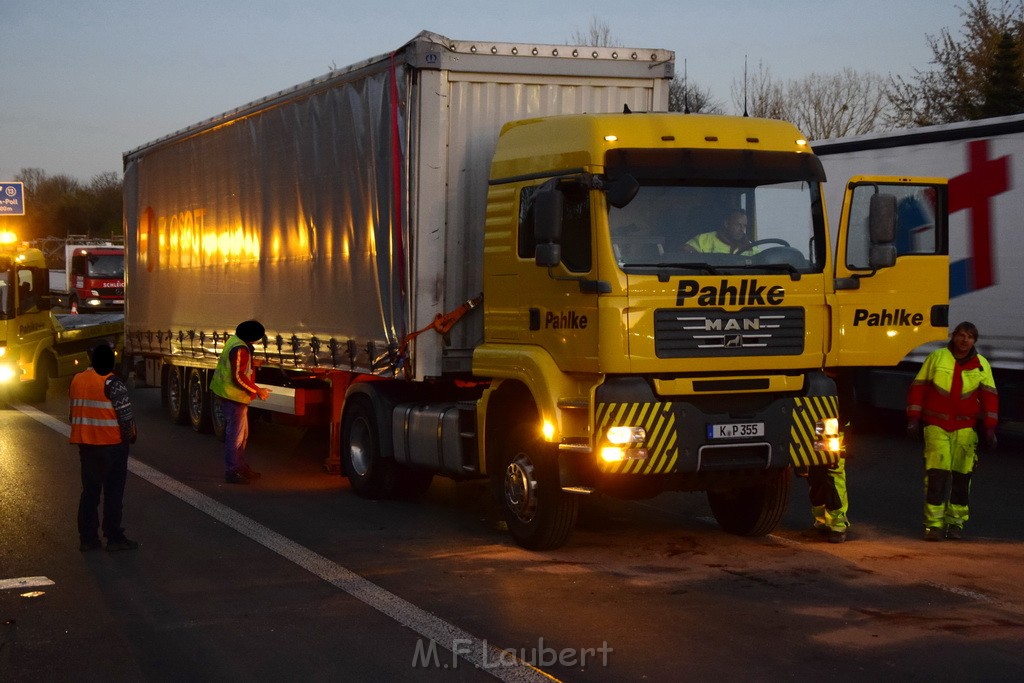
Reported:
(36, 344)
(471, 260)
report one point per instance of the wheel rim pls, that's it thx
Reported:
(360, 452)
(521, 489)
(195, 397)
(174, 392)
(217, 416)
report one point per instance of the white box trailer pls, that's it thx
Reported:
(346, 213)
(984, 161)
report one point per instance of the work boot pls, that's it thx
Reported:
(836, 535)
(932, 533)
(90, 545)
(236, 478)
(250, 474)
(121, 543)
(954, 532)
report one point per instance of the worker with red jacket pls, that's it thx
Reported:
(953, 391)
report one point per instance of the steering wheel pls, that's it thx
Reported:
(767, 240)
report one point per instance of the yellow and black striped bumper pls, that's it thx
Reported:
(677, 434)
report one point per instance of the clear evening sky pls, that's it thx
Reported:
(82, 81)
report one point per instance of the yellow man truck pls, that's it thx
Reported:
(35, 344)
(476, 259)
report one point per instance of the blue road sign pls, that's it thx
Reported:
(12, 199)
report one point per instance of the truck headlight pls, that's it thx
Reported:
(7, 373)
(827, 436)
(624, 443)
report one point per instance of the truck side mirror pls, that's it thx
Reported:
(548, 206)
(548, 254)
(882, 218)
(622, 190)
(881, 256)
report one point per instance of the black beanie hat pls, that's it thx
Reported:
(103, 359)
(250, 331)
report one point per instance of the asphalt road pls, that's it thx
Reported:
(296, 578)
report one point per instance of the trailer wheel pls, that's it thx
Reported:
(174, 395)
(370, 475)
(540, 516)
(217, 423)
(755, 510)
(198, 401)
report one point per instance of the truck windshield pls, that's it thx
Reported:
(106, 265)
(715, 212)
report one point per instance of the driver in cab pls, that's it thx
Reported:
(731, 238)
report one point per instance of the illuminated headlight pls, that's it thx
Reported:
(621, 436)
(7, 373)
(624, 443)
(827, 436)
(3, 350)
(93, 302)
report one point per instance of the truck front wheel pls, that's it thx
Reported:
(35, 391)
(540, 516)
(370, 475)
(753, 510)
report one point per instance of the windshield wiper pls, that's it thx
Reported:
(785, 267)
(706, 267)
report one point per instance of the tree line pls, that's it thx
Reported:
(976, 74)
(59, 205)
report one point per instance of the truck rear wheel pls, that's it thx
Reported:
(370, 475)
(174, 395)
(198, 400)
(217, 423)
(540, 516)
(754, 510)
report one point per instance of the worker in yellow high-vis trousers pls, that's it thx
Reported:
(952, 393)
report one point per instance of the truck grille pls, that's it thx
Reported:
(715, 332)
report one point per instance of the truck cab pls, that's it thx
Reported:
(653, 361)
(95, 276)
(25, 328)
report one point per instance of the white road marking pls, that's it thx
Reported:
(24, 582)
(499, 663)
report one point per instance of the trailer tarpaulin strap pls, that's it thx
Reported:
(442, 324)
(396, 176)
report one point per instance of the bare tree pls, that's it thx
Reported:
(598, 35)
(968, 72)
(759, 95)
(822, 106)
(692, 98)
(827, 106)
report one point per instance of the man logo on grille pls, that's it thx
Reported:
(733, 341)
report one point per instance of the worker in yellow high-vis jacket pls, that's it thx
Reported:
(952, 392)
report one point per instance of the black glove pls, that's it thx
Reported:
(913, 428)
(990, 439)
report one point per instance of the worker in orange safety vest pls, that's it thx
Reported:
(952, 392)
(103, 426)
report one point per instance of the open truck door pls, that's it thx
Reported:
(891, 270)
